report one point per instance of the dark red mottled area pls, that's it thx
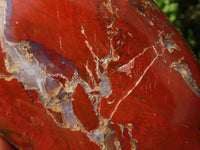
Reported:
(83, 109)
(163, 109)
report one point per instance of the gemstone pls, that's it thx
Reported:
(95, 75)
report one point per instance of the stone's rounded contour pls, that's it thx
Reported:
(96, 75)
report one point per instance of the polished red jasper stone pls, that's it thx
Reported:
(144, 78)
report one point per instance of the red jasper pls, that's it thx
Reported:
(118, 69)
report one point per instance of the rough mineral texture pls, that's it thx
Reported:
(96, 74)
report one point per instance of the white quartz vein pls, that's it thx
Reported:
(136, 84)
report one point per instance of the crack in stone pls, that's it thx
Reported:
(137, 83)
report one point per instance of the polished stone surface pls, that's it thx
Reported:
(93, 74)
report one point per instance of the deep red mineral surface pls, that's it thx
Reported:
(96, 74)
